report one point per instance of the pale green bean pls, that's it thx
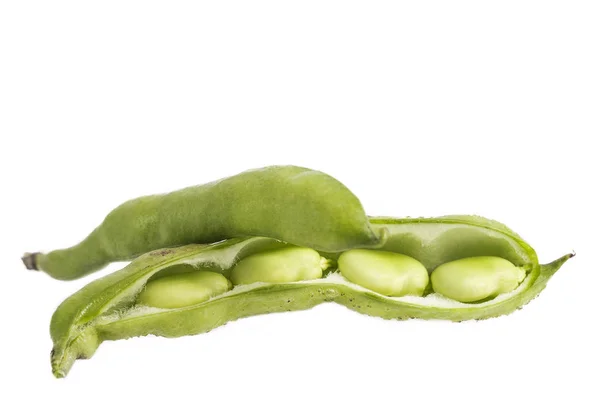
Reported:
(289, 264)
(182, 290)
(476, 278)
(384, 272)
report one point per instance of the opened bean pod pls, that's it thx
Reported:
(454, 268)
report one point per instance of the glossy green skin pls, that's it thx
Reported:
(182, 290)
(292, 204)
(105, 309)
(384, 272)
(476, 278)
(289, 264)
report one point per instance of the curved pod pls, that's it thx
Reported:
(292, 204)
(108, 309)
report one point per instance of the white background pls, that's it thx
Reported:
(421, 108)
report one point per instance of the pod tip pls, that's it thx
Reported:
(30, 261)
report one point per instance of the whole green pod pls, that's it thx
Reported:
(293, 204)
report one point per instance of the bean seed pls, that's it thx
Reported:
(384, 272)
(183, 290)
(290, 264)
(476, 278)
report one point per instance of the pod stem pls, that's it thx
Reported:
(83, 345)
(30, 261)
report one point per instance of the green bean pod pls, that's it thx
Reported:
(109, 308)
(292, 204)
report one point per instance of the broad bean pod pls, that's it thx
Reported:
(109, 308)
(292, 204)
